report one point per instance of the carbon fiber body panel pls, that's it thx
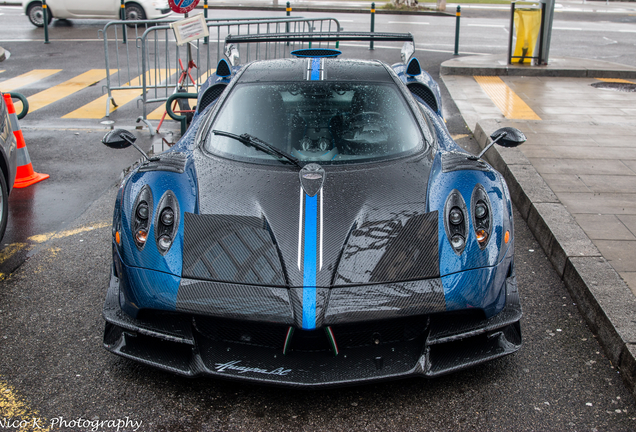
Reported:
(403, 344)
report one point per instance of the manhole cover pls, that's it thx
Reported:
(616, 86)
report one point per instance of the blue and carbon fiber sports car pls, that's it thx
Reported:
(316, 225)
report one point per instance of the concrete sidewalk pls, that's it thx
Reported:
(574, 180)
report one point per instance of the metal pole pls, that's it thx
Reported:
(459, 14)
(372, 23)
(122, 15)
(205, 15)
(512, 28)
(45, 12)
(541, 34)
(288, 13)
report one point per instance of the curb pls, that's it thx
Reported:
(604, 300)
(496, 65)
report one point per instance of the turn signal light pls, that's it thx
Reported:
(507, 237)
(118, 238)
(141, 236)
(482, 235)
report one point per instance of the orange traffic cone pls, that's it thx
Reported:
(24, 176)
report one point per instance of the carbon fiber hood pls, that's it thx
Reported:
(256, 225)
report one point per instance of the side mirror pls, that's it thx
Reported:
(505, 137)
(512, 137)
(119, 139)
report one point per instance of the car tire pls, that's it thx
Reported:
(36, 15)
(4, 205)
(134, 12)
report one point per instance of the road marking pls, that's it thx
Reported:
(486, 25)
(510, 105)
(97, 108)
(15, 409)
(41, 238)
(10, 250)
(26, 79)
(615, 80)
(60, 91)
(158, 112)
(408, 22)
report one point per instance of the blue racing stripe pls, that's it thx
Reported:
(309, 262)
(315, 69)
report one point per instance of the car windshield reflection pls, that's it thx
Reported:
(323, 122)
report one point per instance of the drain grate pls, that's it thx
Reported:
(616, 86)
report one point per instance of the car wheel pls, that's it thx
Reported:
(4, 205)
(36, 15)
(134, 12)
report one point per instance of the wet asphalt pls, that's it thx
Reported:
(51, 331)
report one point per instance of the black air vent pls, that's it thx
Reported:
(316, 52)
(223, 68)
(211, 94)
(424, 93)
(414, 67)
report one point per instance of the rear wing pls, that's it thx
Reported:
(320, 37)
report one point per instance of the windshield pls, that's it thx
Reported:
(325, 122)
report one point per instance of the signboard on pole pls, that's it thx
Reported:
(190, 29)
(182, 6)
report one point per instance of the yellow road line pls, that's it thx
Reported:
(97, 108)
(510, 105)
(15, 410)
(26, 79)
(60, 91)
(615, 80)
(41, 238)
(10, 250)
(158, 113)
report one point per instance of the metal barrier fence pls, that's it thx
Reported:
(153, 63)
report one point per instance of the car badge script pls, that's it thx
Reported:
(311, 178)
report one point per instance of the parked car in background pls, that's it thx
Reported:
(94, 9)
(8, 157)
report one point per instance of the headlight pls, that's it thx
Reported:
(140, 224)
(482, 218)
(455, 221)
(167, 222)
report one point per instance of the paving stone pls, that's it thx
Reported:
(565, 183)
(580, 166)
(604, 227)
(609, 183)
(629, 221)
(605, 203)
(621, 254)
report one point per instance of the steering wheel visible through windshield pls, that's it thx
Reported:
(316, 122)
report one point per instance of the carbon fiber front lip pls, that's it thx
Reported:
(177, 346)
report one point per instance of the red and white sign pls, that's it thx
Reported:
(182, 6)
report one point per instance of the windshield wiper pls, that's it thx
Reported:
(257, 143)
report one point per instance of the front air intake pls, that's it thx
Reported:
(210, 95)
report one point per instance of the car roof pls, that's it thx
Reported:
(331, 69)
